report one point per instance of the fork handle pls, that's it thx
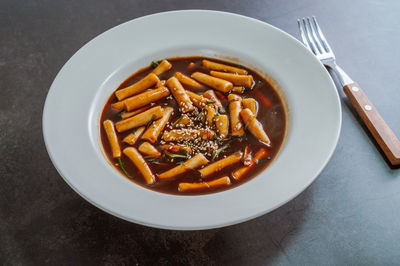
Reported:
(382, 133)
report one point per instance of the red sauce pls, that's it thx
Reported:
(272, 118)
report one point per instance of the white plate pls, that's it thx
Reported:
(78, 93)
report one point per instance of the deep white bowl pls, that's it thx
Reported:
(76, 98)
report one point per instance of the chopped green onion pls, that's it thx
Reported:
(232, 100)
(203, 119)
(158, 160)
(151, 121)
(154, 64)
(121, 165)
(173, 155)
(216, 113)
(183, 152)
(210, 101)
(177, 121)
(200, 92)
(134, 130)
(260, 160)
(216, 153)
(222, 110)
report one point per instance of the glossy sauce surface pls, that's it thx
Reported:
(272, 118)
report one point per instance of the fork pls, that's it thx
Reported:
(315, 41)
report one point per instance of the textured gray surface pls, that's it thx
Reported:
(350, 215)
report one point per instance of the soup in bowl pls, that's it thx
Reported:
(192, 125)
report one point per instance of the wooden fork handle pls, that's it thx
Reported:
(382, 133)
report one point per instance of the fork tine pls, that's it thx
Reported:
(321, 35)
(314, 35)
(303, 36)
(309, 38)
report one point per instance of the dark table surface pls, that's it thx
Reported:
(349, 215)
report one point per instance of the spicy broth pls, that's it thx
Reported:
(272, 118)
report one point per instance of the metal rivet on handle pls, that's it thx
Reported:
(368, 107)
(354, 88)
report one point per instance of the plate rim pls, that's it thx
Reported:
(158, 225)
